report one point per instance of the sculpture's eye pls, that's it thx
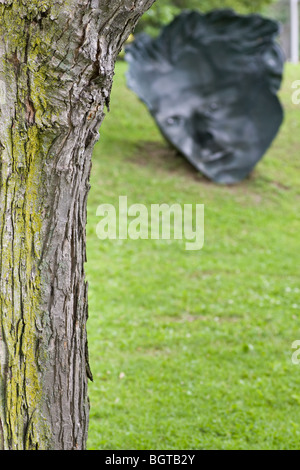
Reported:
(214, 106)
(175, 121)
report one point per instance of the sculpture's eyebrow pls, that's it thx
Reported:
(217, 89)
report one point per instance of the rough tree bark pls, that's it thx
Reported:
(56, 71)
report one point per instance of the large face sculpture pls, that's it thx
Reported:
(210, 82)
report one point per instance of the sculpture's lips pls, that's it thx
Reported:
(207, 156)
(206, 147)
(213, 153)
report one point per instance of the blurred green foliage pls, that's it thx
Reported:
(163, 11)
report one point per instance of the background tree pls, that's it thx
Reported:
(56, 71)
(163, 11)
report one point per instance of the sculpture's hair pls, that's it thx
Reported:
(231, 42)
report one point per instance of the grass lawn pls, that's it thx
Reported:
(192, 350)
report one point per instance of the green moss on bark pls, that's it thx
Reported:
(24, 149)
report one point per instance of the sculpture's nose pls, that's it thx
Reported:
(200, 129)
(207, 147)
(203, 137)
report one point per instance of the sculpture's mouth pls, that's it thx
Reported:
(209, 151)
(206, 148)
(211, 155)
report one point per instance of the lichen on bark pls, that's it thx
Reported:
(21, 199)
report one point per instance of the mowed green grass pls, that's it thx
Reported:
(192, 350)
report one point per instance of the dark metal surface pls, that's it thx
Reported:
(210, 81)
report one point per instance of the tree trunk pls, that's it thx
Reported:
(56, 71)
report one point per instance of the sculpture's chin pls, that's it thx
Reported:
(231, 171)
(224, 167)
(228, 178)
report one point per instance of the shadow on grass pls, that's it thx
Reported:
(165, 159)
